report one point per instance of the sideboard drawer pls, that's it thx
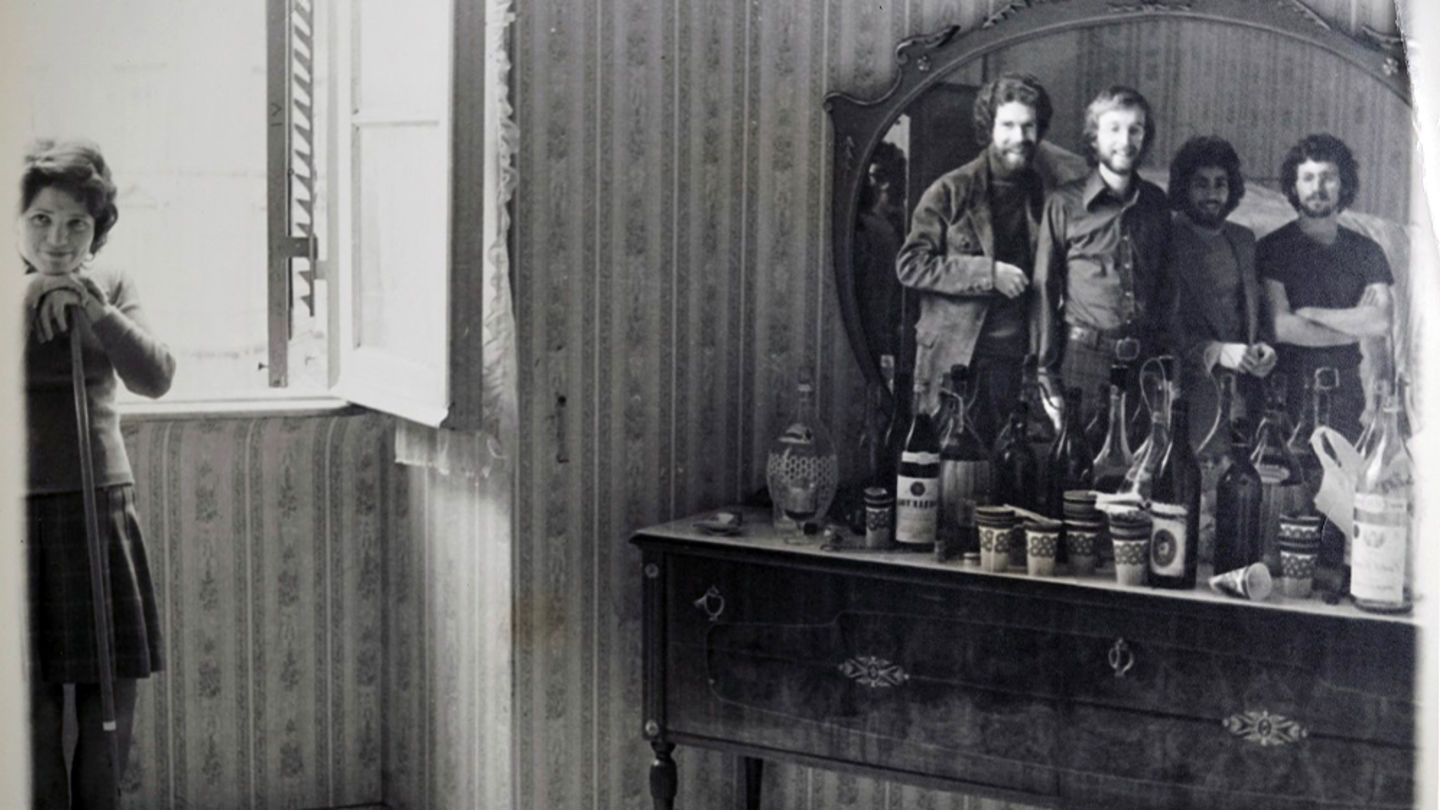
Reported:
(1038, 689)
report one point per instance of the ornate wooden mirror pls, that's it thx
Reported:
(1260, 73)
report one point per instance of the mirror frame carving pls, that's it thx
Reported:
(923, 61)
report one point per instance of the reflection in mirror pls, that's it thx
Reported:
(1252, 73)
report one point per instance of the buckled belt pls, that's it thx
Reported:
(1113, 342)
(1092, 337)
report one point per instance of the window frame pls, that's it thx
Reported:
(364, 375)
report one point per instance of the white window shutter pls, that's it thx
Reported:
(391, 206)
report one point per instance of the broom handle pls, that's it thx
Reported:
(99, 590)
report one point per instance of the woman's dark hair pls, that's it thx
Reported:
(78, 168)
(1117, 97)
(1321, 147)
(887, 165)
(1021, 87)
(1201, 151)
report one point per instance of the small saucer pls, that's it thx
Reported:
(717, 528)
(721, 523)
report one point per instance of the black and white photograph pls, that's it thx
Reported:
(617, 404)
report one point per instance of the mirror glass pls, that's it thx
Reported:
(1262, 90)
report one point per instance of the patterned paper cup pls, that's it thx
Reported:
(1042, 540)
(1251, 582)
(1132, 558)
(1297, 572)
(994, 548)
(1080, 540)
(1130, 537)
(1001, 522)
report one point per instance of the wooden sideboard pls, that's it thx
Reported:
(1063, 692)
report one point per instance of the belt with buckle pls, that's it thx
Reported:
(1090, 336)
(1110, 341)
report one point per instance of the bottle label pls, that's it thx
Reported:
(1377, 552)
(913, 457)
(1272, 473)
(917, 509)
(1169, 540)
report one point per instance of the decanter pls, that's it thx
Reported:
(802, 471)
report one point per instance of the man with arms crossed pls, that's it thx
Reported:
(1329, 287)
(970, 252)
(1100, 292)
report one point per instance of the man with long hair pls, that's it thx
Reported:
(1212, 267)
(970, 253)
(1100, 292)
(1329, 286)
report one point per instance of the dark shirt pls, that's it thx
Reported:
(1216, 271)
(1082, 239)
(1006, 333)
(1331, 276)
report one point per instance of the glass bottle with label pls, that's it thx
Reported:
(1380, 552)
(1175, 507)
(802, 471)
(965, 469)
(1339, 581)
(917, 480)
(1114, 458)
(1281, 481)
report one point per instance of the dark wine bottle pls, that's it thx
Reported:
(1237, 510)
(1071, 461)
(1017, 474)
(917, 480)
(1175, 507)
(1069, 465)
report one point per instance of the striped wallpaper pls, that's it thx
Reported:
(336, 625)
(268, 539)
(672, 282)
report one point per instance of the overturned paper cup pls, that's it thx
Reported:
(1251, 582)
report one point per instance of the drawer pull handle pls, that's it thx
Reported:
(1265, 729)
(1121, 657)
(713, 603)
(876, 673)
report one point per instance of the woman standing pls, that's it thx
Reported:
(67, 208)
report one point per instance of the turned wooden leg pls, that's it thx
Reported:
(754, 769)
(663, 779)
